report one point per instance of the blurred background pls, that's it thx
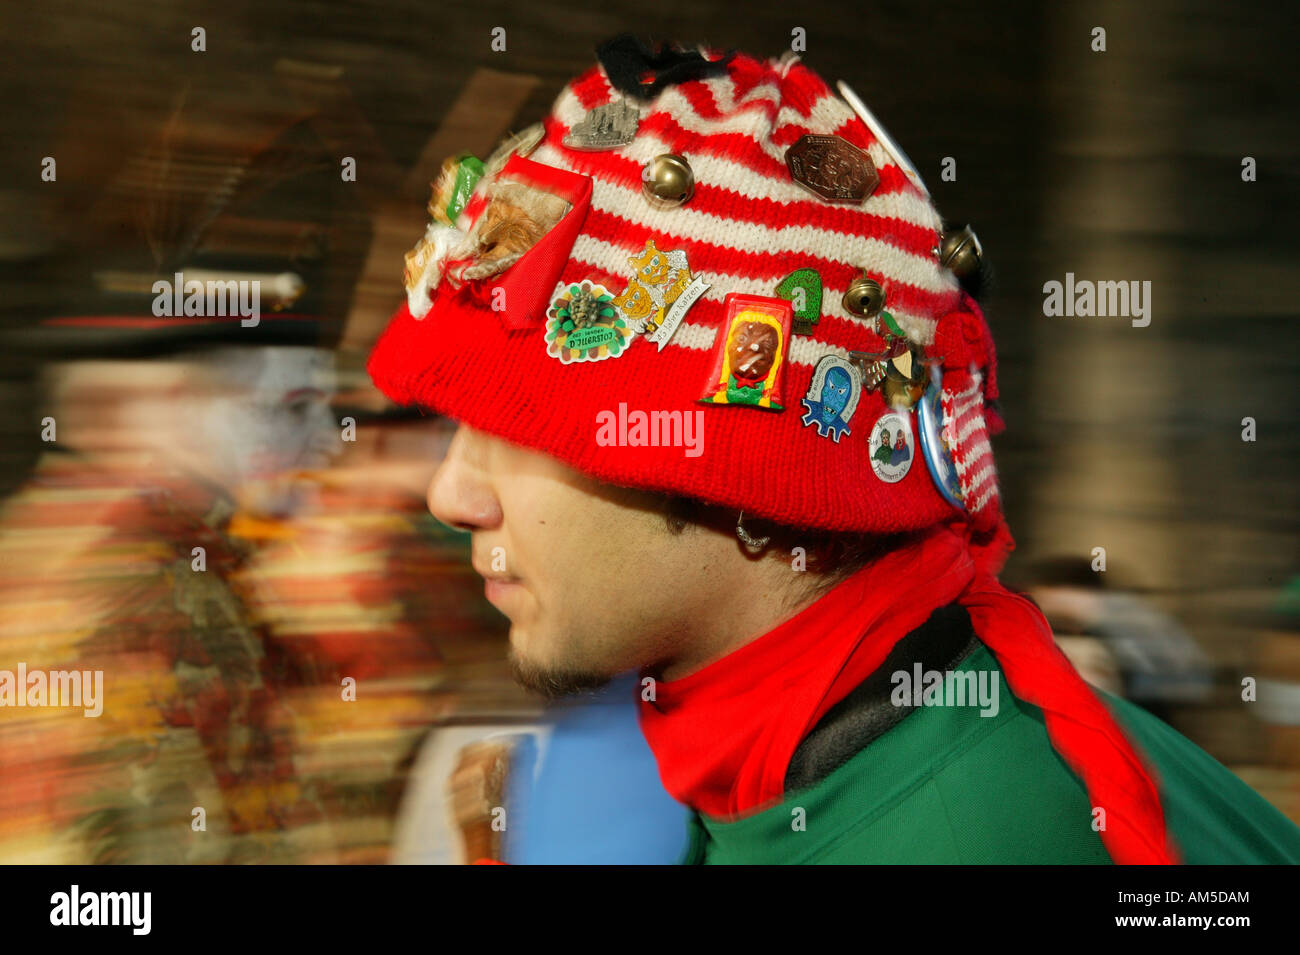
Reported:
(127, 441)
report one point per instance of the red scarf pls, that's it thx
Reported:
(724, 735)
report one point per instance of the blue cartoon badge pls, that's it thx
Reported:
(832, 397)
(935, 446)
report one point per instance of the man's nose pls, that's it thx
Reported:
(461, 494)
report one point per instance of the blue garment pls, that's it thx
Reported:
(596, 797)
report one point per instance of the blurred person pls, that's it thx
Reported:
(805, 614)
(170, 535)
(119, 557)
(1120, 642)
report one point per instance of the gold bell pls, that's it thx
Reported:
(864, 297)
(667, 181)
(960, 251)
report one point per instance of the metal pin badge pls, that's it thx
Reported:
(832, 167)
(521, 144)
(750, 352)
(605, 127)
(659, 291)
(891, 448)
(832, 397)
(584, 324)
(905, 381)
(936, 447)
(896, 371)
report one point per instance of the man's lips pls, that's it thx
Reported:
(502, 578)
(502, 592)
(491, 576)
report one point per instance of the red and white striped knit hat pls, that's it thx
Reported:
(487, 342)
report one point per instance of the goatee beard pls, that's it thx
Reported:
(553, 683)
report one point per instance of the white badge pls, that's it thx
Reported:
(892, 447)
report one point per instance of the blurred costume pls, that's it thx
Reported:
(573, 784)
(798, 747)
(193, 720)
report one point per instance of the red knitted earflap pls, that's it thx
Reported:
(964, 349)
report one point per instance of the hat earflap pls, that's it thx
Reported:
(964, 348)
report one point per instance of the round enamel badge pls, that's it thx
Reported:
(891, 447)
(934, 444)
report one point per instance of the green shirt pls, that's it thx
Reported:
(947, 785)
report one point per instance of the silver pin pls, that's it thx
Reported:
(882, 136)
(605, 127)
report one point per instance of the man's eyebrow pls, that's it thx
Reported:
(302, 392)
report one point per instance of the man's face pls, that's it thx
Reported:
(591, 578)
(267, 421)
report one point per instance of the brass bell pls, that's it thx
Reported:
(864, 297)
(960, 251)
(667, 181)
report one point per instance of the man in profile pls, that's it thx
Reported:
(773, 591)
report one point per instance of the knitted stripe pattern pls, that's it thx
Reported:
(748, 225)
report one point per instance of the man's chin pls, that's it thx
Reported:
(553, 682)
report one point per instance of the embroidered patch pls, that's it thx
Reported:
(659, 292)
(750, 353)
(832, 397)
(803, 289)
(583, 323)
(891, 447)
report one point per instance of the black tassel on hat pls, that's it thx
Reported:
(626, 60)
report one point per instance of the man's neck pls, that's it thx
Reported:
(765, 598)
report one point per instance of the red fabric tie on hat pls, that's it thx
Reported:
(724, 735)
(528, 284)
